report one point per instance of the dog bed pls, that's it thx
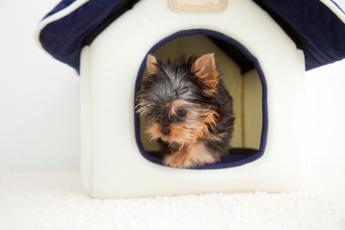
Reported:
(262, 49)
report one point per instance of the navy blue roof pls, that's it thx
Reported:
(312, 26)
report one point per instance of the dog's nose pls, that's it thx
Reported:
(165, 130)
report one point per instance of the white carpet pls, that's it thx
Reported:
(55, 201)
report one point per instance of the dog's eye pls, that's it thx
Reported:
(181, 113)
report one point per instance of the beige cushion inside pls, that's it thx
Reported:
(246, 90)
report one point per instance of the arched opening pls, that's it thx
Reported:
(244, 80)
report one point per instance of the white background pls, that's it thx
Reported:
(39, 102)
(39, 97)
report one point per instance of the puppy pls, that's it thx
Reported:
(188, 109)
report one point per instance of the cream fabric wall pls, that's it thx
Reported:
(111, 163)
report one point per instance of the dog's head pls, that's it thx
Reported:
(178, 98)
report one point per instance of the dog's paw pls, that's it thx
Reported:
(193, 157)
(177, 160)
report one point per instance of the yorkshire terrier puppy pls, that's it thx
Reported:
(188, 110)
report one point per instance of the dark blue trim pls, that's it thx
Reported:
(65, 38)
(310, 24)
(224, 163)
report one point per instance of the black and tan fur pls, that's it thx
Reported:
(188, 109)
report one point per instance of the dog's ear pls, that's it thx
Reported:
(151, 64)
(205, 68)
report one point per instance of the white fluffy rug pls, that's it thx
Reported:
(55, 201)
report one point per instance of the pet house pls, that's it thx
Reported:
(262, 48)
